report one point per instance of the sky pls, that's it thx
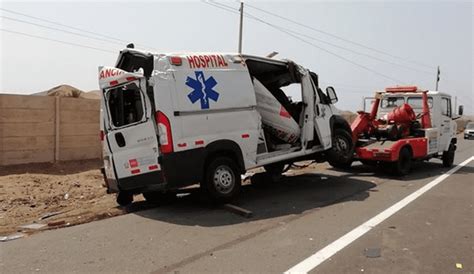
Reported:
(410, 38)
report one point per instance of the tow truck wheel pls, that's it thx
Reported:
(448, 156)
(342, 151)
(222, 179)
(124, 198)
(403, 165)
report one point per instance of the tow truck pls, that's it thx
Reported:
(405, 124)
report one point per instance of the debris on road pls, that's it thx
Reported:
(44, 186)
(372, 252)
(50, 214)
(33, 226)
(12, 237)
(458, 265)
(57, 223)
(238, 210)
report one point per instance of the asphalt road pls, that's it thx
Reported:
(292, 220)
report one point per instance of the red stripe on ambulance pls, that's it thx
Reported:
(153, 167)
(199, 142)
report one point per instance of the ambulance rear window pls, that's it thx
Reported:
(125, 105)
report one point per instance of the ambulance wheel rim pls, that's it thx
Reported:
(224, 179)
(341, 144)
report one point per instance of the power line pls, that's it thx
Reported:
(54, 40)
(356, 52)
(61, 30)
(71, 27)
(338, 37)
(343, 48)
(307, 42)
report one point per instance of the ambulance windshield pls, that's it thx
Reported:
(125, 105)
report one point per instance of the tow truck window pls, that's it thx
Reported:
(446, 107)
(391, 102)
(125, 105)
(417, 102)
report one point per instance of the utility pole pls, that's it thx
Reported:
(241, 26)
(437, 79)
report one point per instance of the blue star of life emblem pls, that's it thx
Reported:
(202, 89)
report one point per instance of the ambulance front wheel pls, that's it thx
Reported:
(342, 152)
(124, 198)
(222, 179)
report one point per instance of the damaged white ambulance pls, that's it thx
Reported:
(173, 120)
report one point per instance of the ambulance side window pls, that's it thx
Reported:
(125, 105)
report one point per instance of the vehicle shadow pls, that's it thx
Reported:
(291, 195)
(420, 170)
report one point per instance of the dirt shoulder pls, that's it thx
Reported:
(72, 189)
(72, 192)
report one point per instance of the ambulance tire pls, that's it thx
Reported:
(448, 156)
(342, 152)
(274, 169)
(403, 165)
(159, 198)
(222, 180)
(274, 172)
(124, 198)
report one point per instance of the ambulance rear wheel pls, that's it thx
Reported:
(403, 165)
(448, 156)
(222, 179)
(124, 198)
(160, 198)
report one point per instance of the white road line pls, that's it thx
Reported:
(319, 257)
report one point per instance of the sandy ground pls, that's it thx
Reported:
(74, 189)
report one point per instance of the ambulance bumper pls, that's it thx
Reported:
(152, 181)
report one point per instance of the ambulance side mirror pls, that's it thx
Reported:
(460, 110)
(331, 94)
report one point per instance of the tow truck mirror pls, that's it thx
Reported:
(460, 110)
(331, 94)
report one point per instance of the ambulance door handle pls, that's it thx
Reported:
(120, 139)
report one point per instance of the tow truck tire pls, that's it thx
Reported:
(222, 179)
(368, 162)
(403, 165)
(124, 198)
(448, 156)
(161, 198)
(342, 152)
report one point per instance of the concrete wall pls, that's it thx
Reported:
(36, 129)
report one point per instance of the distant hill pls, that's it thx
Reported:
(69, 91)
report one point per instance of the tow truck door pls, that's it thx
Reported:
(129, 127)
(445, 131)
